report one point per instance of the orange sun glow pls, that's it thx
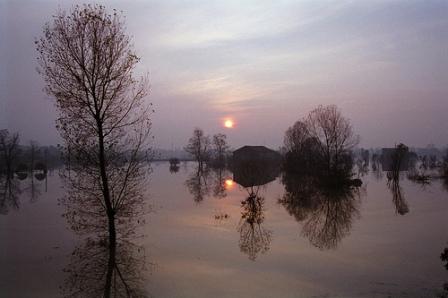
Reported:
(229, 183)
(228, 123)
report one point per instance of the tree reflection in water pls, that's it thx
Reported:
(207, 182)
(444, 258)
(327, 212)
(393, 183)
(9, 194)
(101, 267)
(99, 270)
(198, 185)
(11, 188)
(254, 238)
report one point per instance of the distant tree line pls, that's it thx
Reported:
(15, 157)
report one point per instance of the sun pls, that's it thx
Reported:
(228, 183)
(228, 123)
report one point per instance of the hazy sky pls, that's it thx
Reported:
(263, 63)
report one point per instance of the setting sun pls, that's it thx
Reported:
(228, 183)
(228, 123)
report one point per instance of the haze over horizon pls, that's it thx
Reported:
(263, 64)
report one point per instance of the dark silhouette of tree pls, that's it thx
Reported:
(220, 148)
(335, 135)
(9, 151)
(398, 160)
(198, 146)
(326, 212)
(321, 144)
(302, 151)
(393, 178)
(87, 62)
(444, 165)
(254, 238)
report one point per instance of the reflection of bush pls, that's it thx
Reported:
(327, 211)
(254, 238)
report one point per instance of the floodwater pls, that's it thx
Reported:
(207, 236)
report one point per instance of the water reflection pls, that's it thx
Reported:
(108, 263)
(9, 194)
(444, 258)
(174, 168)
(401, 206)
(376, 167)
(198, 185)
(254, 238)
(13, 186)
(99, 270)
(207, 182)
(220, 183)
(327, 213)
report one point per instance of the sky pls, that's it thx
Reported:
(264, 64)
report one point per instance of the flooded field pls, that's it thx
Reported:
(205, 235)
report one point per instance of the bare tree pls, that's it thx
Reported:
(334, 132)
(199, 146)
(9, 150)
(220, 148)
(296, 137)
(87, 61)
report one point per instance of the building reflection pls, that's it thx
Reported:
(327, 213)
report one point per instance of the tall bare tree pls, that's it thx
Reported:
(199, 146)
(87, 61)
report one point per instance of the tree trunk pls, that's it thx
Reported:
(106, 193)
(110, 271)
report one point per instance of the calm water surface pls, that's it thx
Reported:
(207, 236)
